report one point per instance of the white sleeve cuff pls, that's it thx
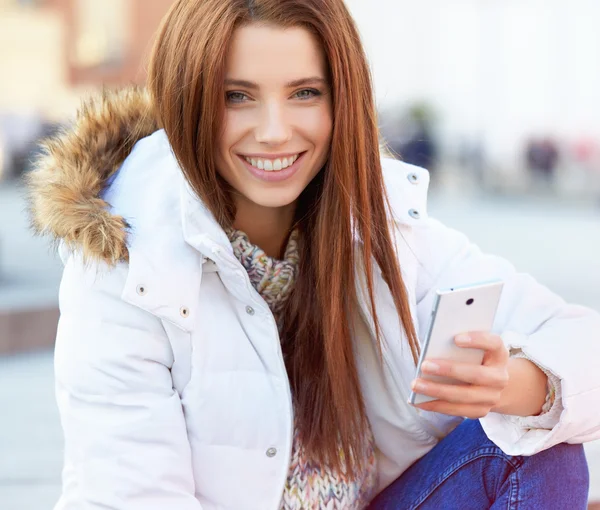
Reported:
(549, 418)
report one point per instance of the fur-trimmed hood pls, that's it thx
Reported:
(65, 187)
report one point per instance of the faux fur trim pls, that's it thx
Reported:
(65, 186)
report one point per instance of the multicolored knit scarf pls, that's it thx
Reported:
(273, 279)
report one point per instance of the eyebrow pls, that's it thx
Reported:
(296, 83)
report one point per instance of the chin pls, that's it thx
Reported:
(274, 199)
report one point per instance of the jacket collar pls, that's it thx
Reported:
(200, 228)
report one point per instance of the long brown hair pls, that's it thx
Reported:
(347, 200)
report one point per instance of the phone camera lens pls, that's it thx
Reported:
(470, 301)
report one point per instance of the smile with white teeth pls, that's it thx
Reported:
(272, 165)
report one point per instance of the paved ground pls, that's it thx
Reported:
(558, 244)
(30, 434)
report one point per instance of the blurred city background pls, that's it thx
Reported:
(497, 98)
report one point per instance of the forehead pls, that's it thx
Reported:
(268, 54)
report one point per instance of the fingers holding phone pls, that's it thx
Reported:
(463, 366)
(476, 389)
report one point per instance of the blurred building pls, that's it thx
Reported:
(53, 51)
(498, 72)
(109, 41)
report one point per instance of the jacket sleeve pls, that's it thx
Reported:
(126, 446)
(562, 339)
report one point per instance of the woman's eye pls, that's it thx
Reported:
(236, 97)
(307, 94)
(240, 97)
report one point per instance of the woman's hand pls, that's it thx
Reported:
(484, 384)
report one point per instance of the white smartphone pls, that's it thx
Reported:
(457, 310)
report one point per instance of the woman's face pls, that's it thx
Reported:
(278, 114)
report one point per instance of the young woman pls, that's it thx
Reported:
(247, 283)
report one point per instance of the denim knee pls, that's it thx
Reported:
(564, 462)
(467, 470)
(561, 472)
(571, 456)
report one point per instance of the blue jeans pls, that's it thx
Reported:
(466, 471)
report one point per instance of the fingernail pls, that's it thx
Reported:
(430, 366)
(418, 386)
(463, 339)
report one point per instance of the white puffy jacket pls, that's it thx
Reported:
(170, 381)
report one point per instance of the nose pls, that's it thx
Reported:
(273, 128)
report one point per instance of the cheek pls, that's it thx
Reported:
(233, 130)
(316, 125)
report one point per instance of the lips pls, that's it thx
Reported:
(273, 175)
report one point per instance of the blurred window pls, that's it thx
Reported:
(100, 32)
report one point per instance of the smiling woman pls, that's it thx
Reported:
(279, 114)
(279, 98)
(245, 276)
